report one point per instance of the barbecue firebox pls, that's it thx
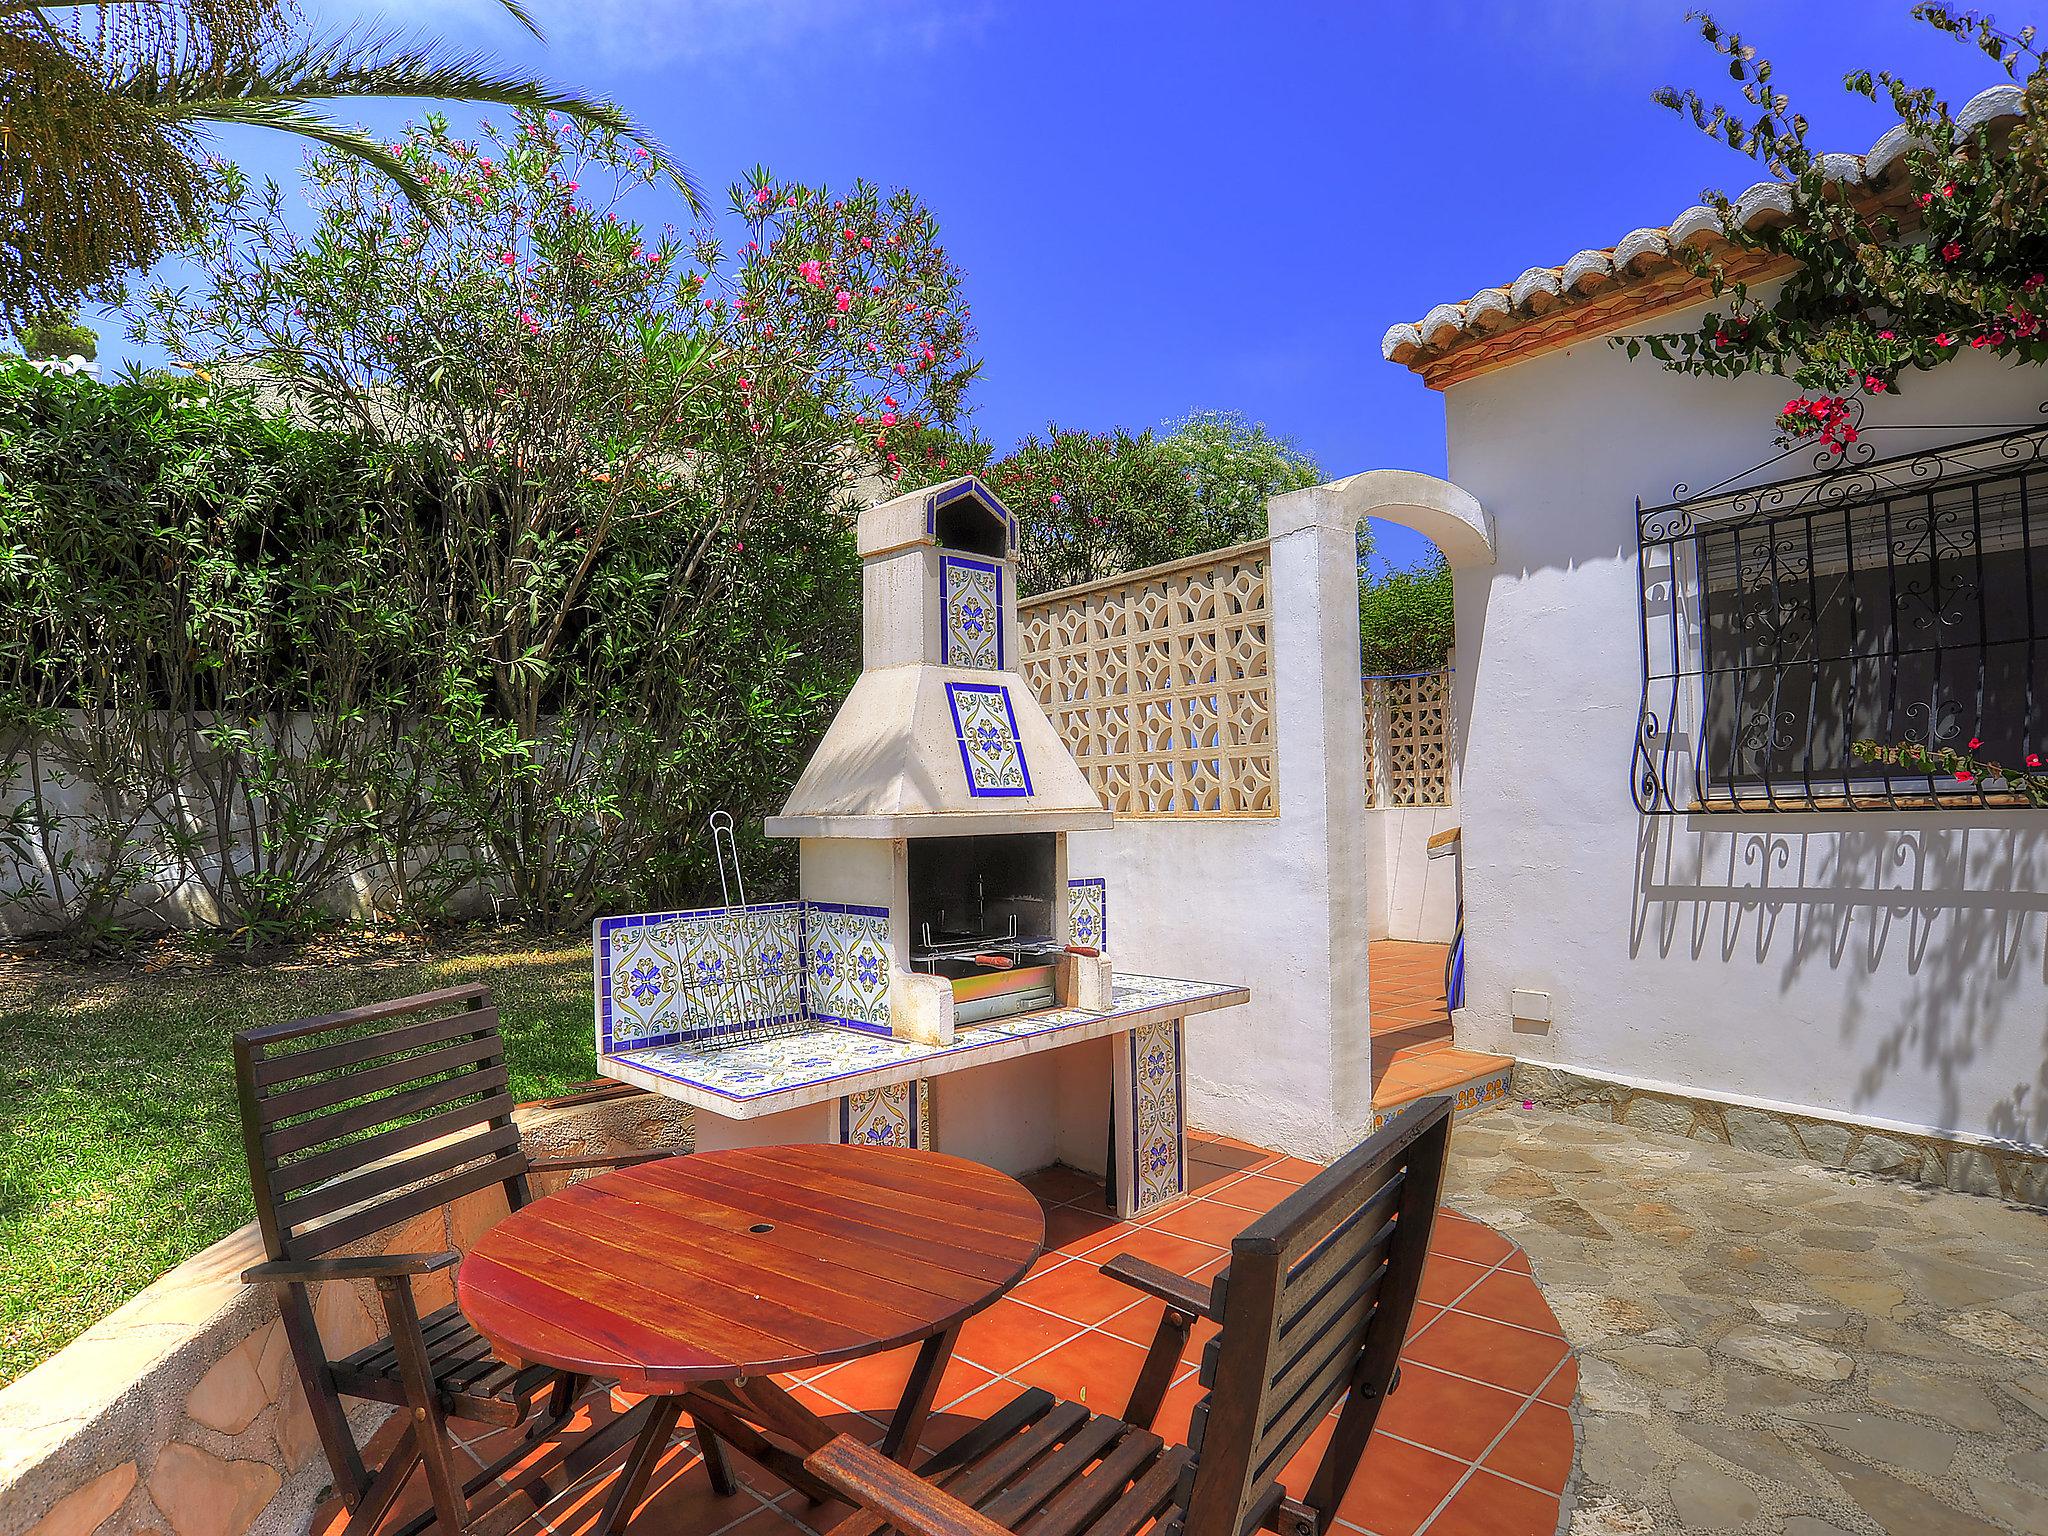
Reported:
(933, 817)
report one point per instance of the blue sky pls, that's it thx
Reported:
(1164, 208)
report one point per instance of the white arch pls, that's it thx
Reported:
(1448, 515)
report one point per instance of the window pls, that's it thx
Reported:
(1897, 601)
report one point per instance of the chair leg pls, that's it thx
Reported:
(1162, 1363)
(423, 1402)
(381, 1491)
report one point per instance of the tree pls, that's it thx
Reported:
(102, 111)
(639, 561)
(1876, 294)
(56, 335)
(1096, 504)
(1405, 618)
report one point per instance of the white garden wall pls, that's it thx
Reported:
(1888, 967)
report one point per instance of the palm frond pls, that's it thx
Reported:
(377, 64)
(290, 117)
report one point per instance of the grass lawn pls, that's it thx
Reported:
(120, 1151)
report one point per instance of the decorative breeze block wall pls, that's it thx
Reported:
(1160, 682)
(1408, 739)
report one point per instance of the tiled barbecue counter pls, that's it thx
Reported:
(747, 1053)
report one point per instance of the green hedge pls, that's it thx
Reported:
(248, 664)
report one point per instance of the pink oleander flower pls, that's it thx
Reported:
(888, 418)
(813, 273)
(842, 301)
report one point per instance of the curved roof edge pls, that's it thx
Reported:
(1644, 255)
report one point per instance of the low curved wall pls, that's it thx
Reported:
(181, 1411)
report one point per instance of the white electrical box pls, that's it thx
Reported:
(1532, 1006)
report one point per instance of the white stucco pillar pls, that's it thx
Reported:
(1319, 724)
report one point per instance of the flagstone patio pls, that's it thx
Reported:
(1766, 1345)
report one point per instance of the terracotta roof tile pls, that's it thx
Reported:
(1643, 256)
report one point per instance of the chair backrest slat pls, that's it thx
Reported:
(389, 1176)
(358, 1121)
(294, 1174)
(1315, 1306)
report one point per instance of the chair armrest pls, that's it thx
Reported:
(601, 1160)
(370, 1266)
(1177, 1291)
(914, 1506)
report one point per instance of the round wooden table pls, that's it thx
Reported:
(692, 1279)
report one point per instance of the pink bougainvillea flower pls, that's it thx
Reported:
(1886, 336)
(1949, 190)
(1951, 251)
(1943, 339)
(1964, 776)
(1976, 742)
(2033, 759)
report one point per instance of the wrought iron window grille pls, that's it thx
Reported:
(1902, 600)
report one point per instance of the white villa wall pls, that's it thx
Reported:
(1278, 903)
(1421, 892)
(1886, 967)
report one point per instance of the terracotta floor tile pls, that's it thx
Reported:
(1457, 1238)
(1204, 1220)
(1422, 1317)
(1095, 1369)
(875, 1385)
(1478, 1347)
(1564, 1385)
(1493, 1506)
(1059, 1183)
(1180, 1254)
(678, 1498)
(1205, 1179)
(1009, 1333)
(1078, 1290)
(1253, 1193)
(1537, 1448)
(1070, 1230)
(1445, 1413)
(1176, 1408)
(1397, 1486)
(1292, 1169)
(1445, 1279)
(1512, 1298)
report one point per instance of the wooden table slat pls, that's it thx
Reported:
(910, 1236)
(653, 1276)
(796, 1249)
(803, 1309)
(869, 1211)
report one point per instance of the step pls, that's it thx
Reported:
(1389, 1040)
(1476, 1080)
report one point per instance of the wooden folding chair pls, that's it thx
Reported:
(1313, 1309)
(355, 1123)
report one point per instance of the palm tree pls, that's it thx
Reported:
(103, 108)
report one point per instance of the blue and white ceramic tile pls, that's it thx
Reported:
(799, 1059)
(971, 593)
(986, 727)
(847, 962)
(1088, 913)
(1157, 1124)
(666, 976)
(896, 1116)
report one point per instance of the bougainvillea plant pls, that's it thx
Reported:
(1879, 292)
(1962, 767)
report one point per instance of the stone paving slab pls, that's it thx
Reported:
(1773, 1347)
